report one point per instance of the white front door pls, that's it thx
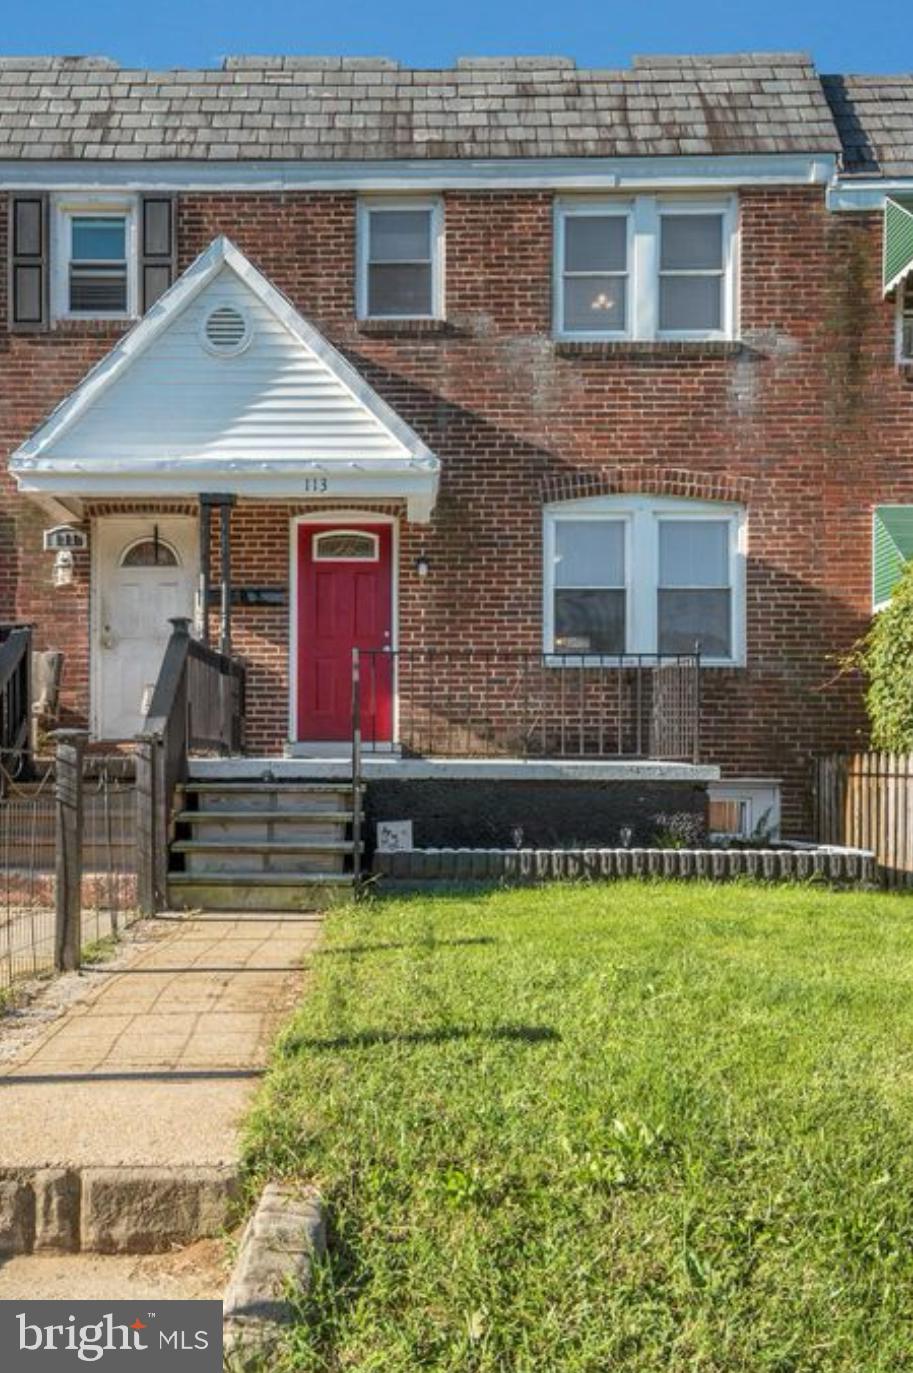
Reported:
(144, 572)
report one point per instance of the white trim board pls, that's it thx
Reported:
(405, 174)
(864, 194)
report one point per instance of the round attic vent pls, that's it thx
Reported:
(226, 330)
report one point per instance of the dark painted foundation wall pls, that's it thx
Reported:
(547, 814)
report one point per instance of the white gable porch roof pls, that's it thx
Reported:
(288, 417)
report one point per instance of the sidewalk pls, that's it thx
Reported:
(154, 1065)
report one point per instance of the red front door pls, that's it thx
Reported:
(344, 601)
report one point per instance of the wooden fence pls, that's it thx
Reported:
(865, 800)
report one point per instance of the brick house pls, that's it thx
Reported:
(529, 381)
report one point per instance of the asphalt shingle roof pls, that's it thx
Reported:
(371, 108)
(874, 116)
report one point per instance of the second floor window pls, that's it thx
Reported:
(98, 264)
(94, 259)
(399, 260)
(645, 267)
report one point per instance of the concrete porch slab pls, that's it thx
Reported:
(393, 767)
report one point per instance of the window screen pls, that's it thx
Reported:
(98, 264)
(691, 273)
(594, 275)
(400, 248)
(694, 594)
(590, 596)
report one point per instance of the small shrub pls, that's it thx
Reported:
(680, 830)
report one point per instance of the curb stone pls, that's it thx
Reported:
(138, 1210)
(284, 1235)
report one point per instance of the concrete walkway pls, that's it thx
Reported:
(156, 1063)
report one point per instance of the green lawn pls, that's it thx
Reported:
(634, 1127)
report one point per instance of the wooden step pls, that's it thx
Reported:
(279, 817)
(259, 891)
(276, 786)
(266, 798)
(301, 856)
(262, 845)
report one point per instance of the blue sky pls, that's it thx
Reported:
(841, 35)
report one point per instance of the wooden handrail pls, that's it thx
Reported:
(197, 702)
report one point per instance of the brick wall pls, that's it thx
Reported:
(809, 424)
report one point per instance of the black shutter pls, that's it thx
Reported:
(157, 247)
(28, 258)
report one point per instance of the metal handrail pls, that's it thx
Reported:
(507, 703)
(15, 689)
(357, 767)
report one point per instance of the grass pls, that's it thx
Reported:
(630, 1127)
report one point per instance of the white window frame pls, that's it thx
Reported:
(903, 359)
(643, 514)
(366, 205)
(759, 797)
(644, 224)
(551, 550)
(564, 210)
(64, 208)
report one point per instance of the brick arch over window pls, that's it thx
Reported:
(652, 481)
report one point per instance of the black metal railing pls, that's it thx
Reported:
(67, 857)
(15, 692)
(480, 703)
(198, 703)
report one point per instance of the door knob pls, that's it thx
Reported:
(108, 637)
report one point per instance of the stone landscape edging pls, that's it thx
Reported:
(791, 863)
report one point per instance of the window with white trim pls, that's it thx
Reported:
(744, 809)
(645, 574)
(905, 322)
(94, 259)
(590, 597)
(645, 267)
(400, 270)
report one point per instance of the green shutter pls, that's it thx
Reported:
(892, 549)
(898, 243)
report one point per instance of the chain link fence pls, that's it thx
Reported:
(29, 844)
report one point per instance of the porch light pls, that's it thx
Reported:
(422, 566)
(63, 568)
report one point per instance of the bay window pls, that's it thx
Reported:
(645, 267)
(645, 574)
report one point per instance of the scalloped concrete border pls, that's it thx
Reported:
(794, 863)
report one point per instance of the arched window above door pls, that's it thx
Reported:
(150, 553)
